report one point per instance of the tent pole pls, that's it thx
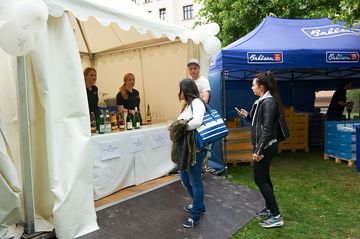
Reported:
(86, 41)
(25, 145)
(293, 89)
(224, 111)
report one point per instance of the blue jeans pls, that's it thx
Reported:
(193, 183)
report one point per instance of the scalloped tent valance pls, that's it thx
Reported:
(124, 21)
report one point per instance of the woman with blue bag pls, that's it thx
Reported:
(193, 111)
(264, 116)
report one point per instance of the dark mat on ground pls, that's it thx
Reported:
(159, 213)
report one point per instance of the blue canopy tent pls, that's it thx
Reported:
(305, 55)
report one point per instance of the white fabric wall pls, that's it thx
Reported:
(10, 186)
(10, 169)
(59, 131)
(60, 105)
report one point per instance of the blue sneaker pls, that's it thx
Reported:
(191, 222)
(188, 208)
(272, 221)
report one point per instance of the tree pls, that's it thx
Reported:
(238, 17)
(349, 12)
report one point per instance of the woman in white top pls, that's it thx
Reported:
(193, 111)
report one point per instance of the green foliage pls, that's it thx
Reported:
(316, 198)
(349, 12)
(238, 17)
(354, 95)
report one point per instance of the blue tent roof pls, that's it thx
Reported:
(292, 43)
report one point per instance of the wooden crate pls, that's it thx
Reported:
(238, 145)
(350, 162)
(233, 123)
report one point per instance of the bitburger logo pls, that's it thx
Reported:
(329, 31)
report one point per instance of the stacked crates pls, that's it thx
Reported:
(316, 131)
(238, 145)
(298, 124)
(340, 141)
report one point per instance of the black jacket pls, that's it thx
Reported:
(264, 115)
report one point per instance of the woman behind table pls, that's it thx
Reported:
(128, 98)
(193, 111)
(264, 115)
(91, 90)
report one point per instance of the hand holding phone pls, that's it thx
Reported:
(242, 113)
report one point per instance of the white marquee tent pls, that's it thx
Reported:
(116, 37)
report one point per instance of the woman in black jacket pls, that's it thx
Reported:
(264, 115)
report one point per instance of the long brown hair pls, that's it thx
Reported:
(122, 89)
(189, 90)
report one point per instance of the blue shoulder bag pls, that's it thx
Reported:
(212, 128)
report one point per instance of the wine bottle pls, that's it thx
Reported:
(148, 114)
(101, 123)
(114, 122)
(107, 122)
(121, 121)
(136, 123)
(129, 121)
(93, 122)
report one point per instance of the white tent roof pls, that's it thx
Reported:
(126, 23)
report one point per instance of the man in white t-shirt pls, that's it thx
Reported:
(203, 86)
(201, 82)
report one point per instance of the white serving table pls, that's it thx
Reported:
(141, 155)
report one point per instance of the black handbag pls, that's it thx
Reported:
(282, 130)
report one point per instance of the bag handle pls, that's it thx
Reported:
(207, 109)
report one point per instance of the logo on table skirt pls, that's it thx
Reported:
(264, 57)
(329, 31)
(343, 57)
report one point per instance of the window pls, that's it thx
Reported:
(188, 12)
(162, 12)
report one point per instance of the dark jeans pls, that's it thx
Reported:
(263, 181)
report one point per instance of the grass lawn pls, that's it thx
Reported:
(319, 199)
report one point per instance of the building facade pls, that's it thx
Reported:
(180, 12)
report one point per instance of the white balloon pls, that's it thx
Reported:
(210, 29)
(211, 45)
(15, 40)
(7, 9)
(31, 14)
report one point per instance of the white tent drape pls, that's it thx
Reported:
(10, 186)
(64, 142)
(59, 130)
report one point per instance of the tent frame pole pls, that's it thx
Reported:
(292, 89)
(224, 112)
(23, 119)
(91, 55)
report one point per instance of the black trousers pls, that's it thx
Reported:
(263, 181)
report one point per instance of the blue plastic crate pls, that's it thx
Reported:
(358, 148)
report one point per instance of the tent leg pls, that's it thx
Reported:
(39, 235)
(25, 145)
(224, 110)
